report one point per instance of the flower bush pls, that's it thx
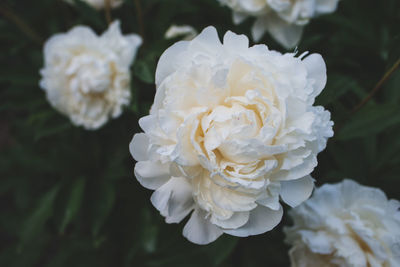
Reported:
(69, 197)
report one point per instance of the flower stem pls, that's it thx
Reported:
(21, 24)
(139, 14)
(378, 86)
(107, 11)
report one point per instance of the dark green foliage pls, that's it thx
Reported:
(68, 197)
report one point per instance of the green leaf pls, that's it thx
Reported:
(371, 120)
(52, 131)
(143, 71)
(219, 250)
(74, 203)
(337, 86)
(41, 213)
(102, 204)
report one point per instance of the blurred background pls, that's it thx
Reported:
(68, 196)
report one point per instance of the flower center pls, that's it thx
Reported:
(89, 75)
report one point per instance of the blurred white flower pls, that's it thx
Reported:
(346, 225)
(100, 4)
(185, 31)
(86, 76)
(283, 19)
(231, 129)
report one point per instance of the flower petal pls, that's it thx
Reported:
(139, 147)
(169, 61)
(199, 230)
(238, 17)
(288, 35)
(151, 175)
(237, 220)
(294, 192)
(316, 70)
(174, 199)
(261, 220)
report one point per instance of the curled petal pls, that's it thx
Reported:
(151, 175)
(294, 192)
(199, 230)
(139, 147)
(173, 199)
(261, 220)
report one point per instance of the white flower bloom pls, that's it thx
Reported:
(346, 225)
(231, 129)
(283, 19)
(100, 4)
(185, 31)
(86, 76)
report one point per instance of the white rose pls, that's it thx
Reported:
(100, 4)
(86, 76)
(346, 225)
(231, 129)
(283, 19)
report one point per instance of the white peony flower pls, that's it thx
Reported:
(187, 32)
(86, 76)
(100, 4)
(283, 19)
(346, 225)
(231, 129)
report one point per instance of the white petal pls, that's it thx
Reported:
(237, 220)
(174, 199)
(261, 220)
(187, 32)
(258, 29)
(325, 6)
(316, 70)
(151, 175)
(199, 230)
(288, 35)
(294, 192)
(231, 200)
(238, 17)
(139, 147)
(235, 42)
(170, 61)
(207, 43)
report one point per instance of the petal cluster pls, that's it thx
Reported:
(86, 76)
(232, 129)
(345, 224)
(283, 19)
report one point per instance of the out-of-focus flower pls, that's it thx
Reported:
(100, 4)
(346, 225)
(283, 19)
(86, 76)
(185, 31)
(232, 129)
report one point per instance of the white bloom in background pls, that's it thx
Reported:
(86, 76)
(345, 225)
(100, 4)
(283, 19)
(187, 32)
(231, 129)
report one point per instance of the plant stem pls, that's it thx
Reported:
(107, 11)
(378, 86)
(21, 24)
(139, 14)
